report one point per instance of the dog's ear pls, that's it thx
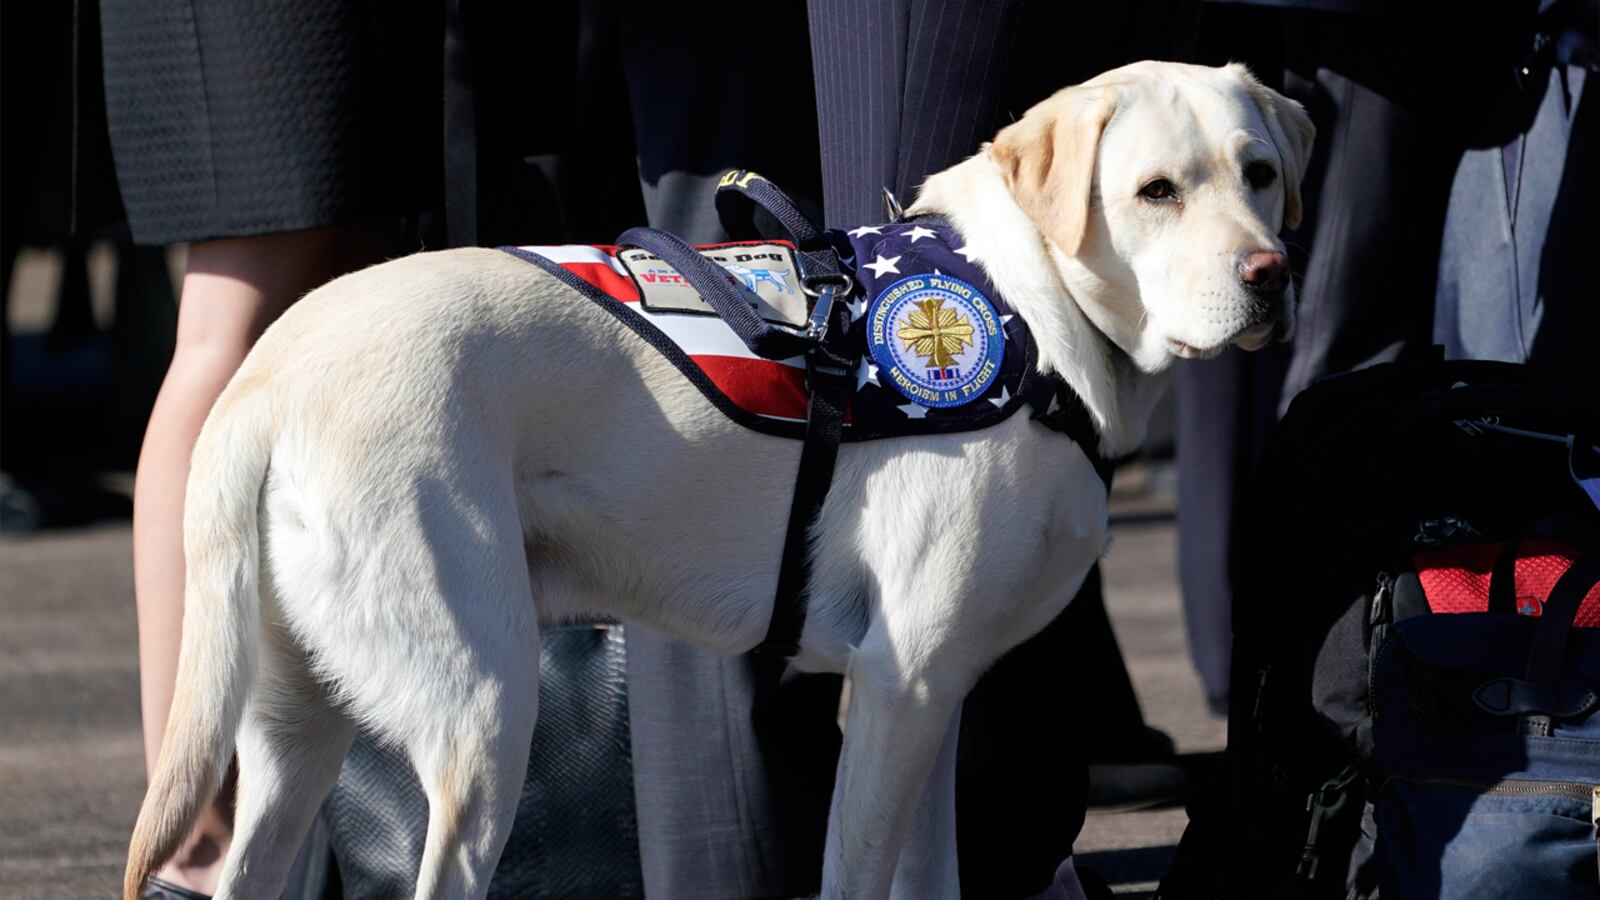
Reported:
(1048, 160)
(1292, 133)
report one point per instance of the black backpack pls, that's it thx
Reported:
(1403, 720)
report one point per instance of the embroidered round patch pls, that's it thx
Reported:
(938, 339)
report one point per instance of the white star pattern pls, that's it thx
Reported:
(865, 230)
(1055, 405)
(858, 308)
(913, 411)
(866, 372)
(917, 233)
(884, 266)
(1003, 399)
(1006, 319)
(966, 253)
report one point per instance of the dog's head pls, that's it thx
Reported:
(1160, 189)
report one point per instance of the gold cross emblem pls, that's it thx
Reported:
(936, 333)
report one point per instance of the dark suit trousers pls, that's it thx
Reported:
(1374, 201)
(906, 88)
(733, 759)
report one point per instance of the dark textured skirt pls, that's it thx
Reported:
(241, 117)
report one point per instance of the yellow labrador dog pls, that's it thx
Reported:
(397, 489)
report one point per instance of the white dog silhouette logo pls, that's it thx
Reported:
(752, 278)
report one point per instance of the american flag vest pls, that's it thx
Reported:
(940, 350)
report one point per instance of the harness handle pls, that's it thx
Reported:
(741, 192)
(733, 303)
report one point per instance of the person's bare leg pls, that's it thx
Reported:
(232, 290)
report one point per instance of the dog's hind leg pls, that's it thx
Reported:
(472, 770)
(472, 683)
(291, 745)
(897, 720)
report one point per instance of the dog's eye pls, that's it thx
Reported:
(1159, 189)
(1260, 174)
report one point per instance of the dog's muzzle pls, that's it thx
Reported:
(1272, 319)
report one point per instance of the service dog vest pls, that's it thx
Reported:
(906, 336)
(940, 350)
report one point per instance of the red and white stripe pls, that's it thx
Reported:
(774, 389)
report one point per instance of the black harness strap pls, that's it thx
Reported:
(830, 377)
(734, 304)
(1058, 407)
(830, 381)
(831, 361)
(741, 192)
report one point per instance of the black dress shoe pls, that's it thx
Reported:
(156, 889)
(1094, 887)
(1127, 786)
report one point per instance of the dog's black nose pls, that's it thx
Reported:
(1265, 271)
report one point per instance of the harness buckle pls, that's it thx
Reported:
(826, 371)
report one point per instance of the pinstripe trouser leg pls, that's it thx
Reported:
(906, 88)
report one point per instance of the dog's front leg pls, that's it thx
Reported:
(927, 869)
(899, 714)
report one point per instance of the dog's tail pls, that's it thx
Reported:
(221, 625)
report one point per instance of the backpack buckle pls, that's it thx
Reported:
(1323, 804)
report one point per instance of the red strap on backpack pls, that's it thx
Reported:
(1460, 578)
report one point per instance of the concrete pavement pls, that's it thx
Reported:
(71, 761)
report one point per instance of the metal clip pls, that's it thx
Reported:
(1324, 804)
(821, 314)
(841, 284)
(892, 207)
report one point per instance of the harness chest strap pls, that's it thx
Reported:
(832, 357)
(830, 392)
